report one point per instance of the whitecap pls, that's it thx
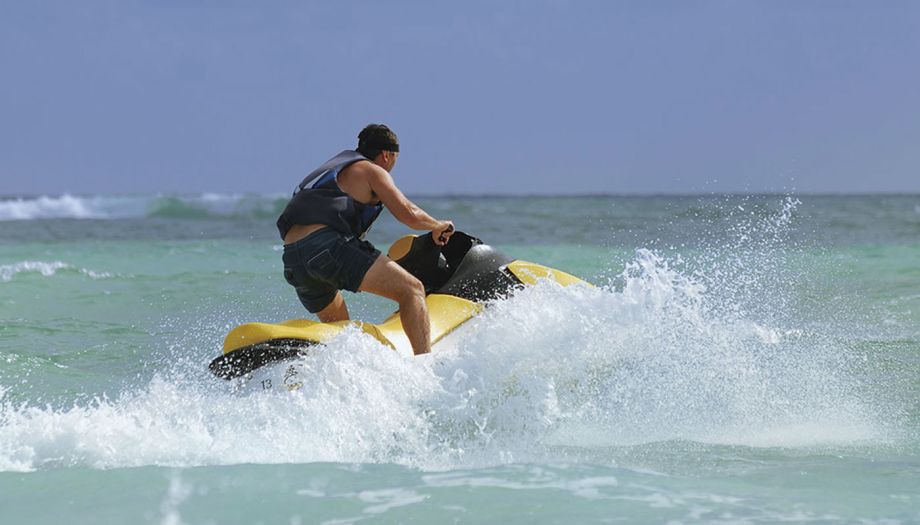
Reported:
(46, 269)
(44, 207)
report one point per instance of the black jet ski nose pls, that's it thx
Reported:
(464, 267)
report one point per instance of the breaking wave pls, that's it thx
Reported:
(201, 206)
(46, 269)
(65, 206)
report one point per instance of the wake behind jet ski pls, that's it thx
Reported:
(458, 277)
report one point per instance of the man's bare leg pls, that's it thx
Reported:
(390, 280)
(336, 311)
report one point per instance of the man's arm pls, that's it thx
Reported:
(405, 211)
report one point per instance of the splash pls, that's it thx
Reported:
(359, 404)
(707, 347)
(652, 362)
(548, 369)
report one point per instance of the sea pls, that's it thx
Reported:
(740, 359)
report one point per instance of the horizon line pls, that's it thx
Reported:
(502, 195)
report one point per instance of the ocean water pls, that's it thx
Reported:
(743, 359)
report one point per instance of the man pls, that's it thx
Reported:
(324, 224)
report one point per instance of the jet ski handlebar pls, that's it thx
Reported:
(441, 238)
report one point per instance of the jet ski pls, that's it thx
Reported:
(460, 279)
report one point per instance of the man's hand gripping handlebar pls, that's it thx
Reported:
(442, 233)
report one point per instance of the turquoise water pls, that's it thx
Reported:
(744, 359)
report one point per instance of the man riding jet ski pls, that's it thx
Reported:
(323, 228)
(459, 277)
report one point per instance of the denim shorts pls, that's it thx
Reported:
(324, 262)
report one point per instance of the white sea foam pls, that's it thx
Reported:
(121, 206)
(64, 206)
(178, 492)
(384, 500)
(535, 478)
(46, 269)
(648, 360)
(221, 198)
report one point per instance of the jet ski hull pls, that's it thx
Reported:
(459, 279)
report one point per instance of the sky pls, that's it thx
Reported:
(495, 97)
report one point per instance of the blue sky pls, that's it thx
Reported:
(487, 97)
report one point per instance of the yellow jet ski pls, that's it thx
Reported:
(459, 279)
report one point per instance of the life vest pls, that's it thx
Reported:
(319, 200)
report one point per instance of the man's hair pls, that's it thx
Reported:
(375, 138)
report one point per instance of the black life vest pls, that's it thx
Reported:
(319, 200)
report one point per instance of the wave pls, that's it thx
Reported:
(65, 206)
(46, 269)
(203, 206)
